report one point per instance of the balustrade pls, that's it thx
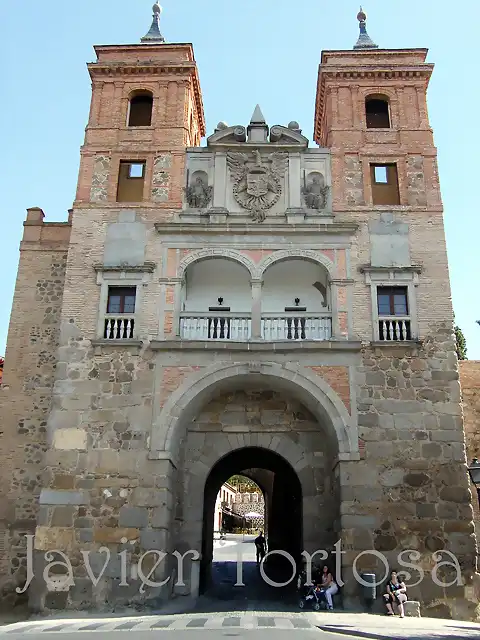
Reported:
(305, 326)
(211, 326)
(394, 329)
(119, 327)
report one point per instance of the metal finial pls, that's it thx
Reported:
(364, 41)
(154, 34)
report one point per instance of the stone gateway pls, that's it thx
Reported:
(253, 305)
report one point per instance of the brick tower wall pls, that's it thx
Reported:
(26, 390)
(408, 395)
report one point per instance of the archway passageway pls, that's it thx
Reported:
(272, 437)
(284, 532)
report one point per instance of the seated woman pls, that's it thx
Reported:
(328, 586)
(396, 594)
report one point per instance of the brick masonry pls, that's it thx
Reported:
(338, 379)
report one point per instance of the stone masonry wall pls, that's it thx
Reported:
(470, 383)
(25, 395)
(410, 417)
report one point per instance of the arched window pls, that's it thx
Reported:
(140, 109)
(377, 111)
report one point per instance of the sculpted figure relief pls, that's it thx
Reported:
(199, 193)
(315, 192)
(257, 186)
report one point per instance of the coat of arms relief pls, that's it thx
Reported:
(257, 184)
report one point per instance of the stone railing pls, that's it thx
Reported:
(212, 326)
(292, 326)
(119, 327)
(394, 328)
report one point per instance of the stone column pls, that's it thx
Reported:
(219, 185)
(256, 309)
(294, 181)
(397, 117)
(355, 107)
(118, 116)
(336, 335)
(95, 104)
(177, 303)
(422, 108)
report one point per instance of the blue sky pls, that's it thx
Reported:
(264, 51)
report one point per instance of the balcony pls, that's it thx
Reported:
(212, 326)
(119, 327)
(238, 326)
(305, 326)
(394, 329)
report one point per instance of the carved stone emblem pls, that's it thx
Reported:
(257, 187)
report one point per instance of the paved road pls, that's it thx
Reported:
(248, 626)
(181, 628)
(228, 550)
(237, 581)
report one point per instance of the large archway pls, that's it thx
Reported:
(277, 413)
(284, 501)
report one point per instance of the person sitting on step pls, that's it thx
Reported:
(396, 594)
(328, 586)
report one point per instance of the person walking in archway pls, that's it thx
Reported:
(261, 547)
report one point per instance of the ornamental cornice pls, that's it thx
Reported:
(147, 267)
(125, 68)
(385, 74)
(414, 268)
(284, 346)
(340, 228)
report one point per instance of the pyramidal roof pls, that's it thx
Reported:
(364, 41)
(154, 34)
(258, 117)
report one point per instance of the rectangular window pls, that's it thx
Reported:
(392, 301)
(121, 300)
(384, 179)
(393, 314)
(119, 320)
(131, 179)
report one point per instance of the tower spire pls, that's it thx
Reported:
(364, 41)
(154, 34)
(258, 129)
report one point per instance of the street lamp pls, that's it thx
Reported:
(474, 471)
